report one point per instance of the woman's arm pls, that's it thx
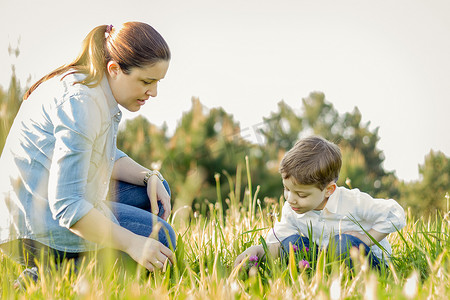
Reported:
(126, 169)
(97, 228)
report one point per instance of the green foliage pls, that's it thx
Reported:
(10, 101)
(207, 247)
(362, 160)
(428, 194)
(9, 106)
(208, 142)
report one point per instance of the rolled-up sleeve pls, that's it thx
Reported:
(75, 127)
(386, 215)
(120, 154)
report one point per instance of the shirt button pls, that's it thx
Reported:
(104, 182)
(112, 158)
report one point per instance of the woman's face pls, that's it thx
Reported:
(133, 89)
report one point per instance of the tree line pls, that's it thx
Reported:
(209, 148)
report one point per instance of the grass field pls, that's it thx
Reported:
(207, 247)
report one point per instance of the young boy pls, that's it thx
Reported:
(314, 203)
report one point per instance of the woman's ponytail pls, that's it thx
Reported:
(90, 61)
(133, 45)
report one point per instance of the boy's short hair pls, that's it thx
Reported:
(312, 161)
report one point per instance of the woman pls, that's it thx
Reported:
(61, 154)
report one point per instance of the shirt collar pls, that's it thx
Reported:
(332, 203)
(112, 103)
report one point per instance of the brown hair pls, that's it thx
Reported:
(134, 44)
(312, 161)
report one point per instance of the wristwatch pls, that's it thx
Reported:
(150, 174)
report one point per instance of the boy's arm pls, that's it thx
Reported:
(281, 230)
(275, 235)
(378, 236)
(385, 215)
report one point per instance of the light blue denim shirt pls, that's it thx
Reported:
(57, 162)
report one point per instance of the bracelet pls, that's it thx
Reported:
(150, 174)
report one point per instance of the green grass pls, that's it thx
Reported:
(207, 247)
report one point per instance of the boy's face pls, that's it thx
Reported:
(304, 198)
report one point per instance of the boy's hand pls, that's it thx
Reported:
(257, 250)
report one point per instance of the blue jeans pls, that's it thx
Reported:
(131, 206)
(340, 245)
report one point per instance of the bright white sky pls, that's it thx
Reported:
(389, 58)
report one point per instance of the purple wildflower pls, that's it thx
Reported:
(253, 258)
(295, 248)
(253, 261)
(304, 264)
(306, 249)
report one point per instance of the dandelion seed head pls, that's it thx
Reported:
(364, 267)
(410, 288)
(234, 286)
(288, 294)
(82, 287)
(440, 274)
(371, 288)
(335, 289)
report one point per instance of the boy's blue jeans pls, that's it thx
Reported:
(341, 246)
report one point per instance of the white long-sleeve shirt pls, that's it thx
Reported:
(343, 208)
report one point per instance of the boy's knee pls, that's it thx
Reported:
(342, 244)
(298, 242)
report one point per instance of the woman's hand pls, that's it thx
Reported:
(97, 228)
(157, 192)
(126, 169)
(149, 253)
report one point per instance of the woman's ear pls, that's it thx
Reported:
(331, 187)
(113, 69)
